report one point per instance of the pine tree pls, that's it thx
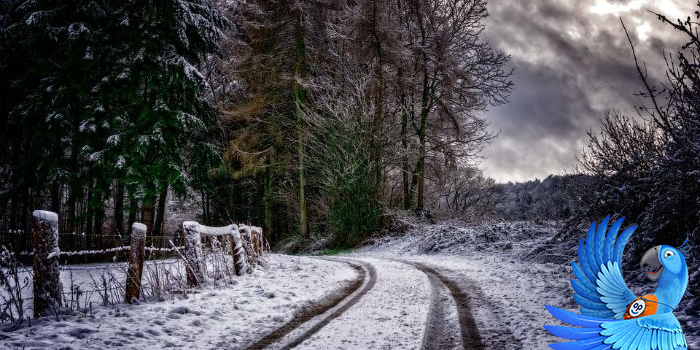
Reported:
(107, 92)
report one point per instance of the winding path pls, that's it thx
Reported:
(440, 331)
(391, 304)
(312, 319)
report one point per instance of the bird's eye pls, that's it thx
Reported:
(668, 253)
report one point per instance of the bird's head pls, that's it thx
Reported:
(668, 268)
(664, 260)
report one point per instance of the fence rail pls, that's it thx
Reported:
(224, 252)
(21, 243)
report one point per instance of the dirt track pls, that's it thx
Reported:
(439, 333)
(312, 319)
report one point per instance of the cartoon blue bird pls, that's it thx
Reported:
(612, 317)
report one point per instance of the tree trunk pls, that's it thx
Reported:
(425, 105)
(133, 207)
(56, 197)
(119, 209)
(300, 58)
(268, 202)
(147, 212)
(160, 213)
(74, 196)
(405, 170)
(101, 198)
(377, 147)
(89, 214)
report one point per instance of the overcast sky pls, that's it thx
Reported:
(572, 62)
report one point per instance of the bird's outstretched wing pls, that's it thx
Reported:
(600, 289)
(660, 332)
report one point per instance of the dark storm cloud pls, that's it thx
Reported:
(572, 63)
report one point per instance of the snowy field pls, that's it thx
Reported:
(212, 318)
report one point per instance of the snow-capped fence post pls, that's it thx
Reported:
(193, 253)
(47, 281)
(136, 257)
(237, 251)
(230, 232)
(258, 239)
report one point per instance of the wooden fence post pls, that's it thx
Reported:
(237, 251)
(47, 276)
(136, 256)
(193, 253)
(246, 237)
(259, 239)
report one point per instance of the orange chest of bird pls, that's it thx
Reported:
(643, 306)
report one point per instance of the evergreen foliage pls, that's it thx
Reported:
(104, 92)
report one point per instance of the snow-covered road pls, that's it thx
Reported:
(391, 315)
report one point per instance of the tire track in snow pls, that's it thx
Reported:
(312, 319)
(497, 333)
(438, 331)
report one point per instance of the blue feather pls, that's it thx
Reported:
(575, 319)
(608, 286)
(626, 341)
(578, 272)
(604, 314)
(579, 344)
(610, 239)
(605, 278)
(647, 337)
(581, 289)
(573, 333)
(589, 304)
(590, 250)
(600, 241)
(637, 339)
(622, 242)
(583, 260)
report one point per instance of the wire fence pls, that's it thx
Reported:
(85, 285)
(77, 245)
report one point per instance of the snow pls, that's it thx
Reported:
(95, 156)
(391, 316)
(190, 225)
(36, 18)
(505, 268)
(77, 29)
(217, 231)
(211, 318)
(54, 116)
(44, 215)
(138, 228)
(508, 275)
(54, 254)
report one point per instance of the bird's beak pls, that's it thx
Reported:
(651, 258)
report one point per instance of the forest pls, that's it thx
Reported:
(311, 118)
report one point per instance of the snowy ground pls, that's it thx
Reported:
(213, 318)
(391, 316)
(503, 267)
(509, 275)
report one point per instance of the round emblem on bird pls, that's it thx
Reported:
(637, 308)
